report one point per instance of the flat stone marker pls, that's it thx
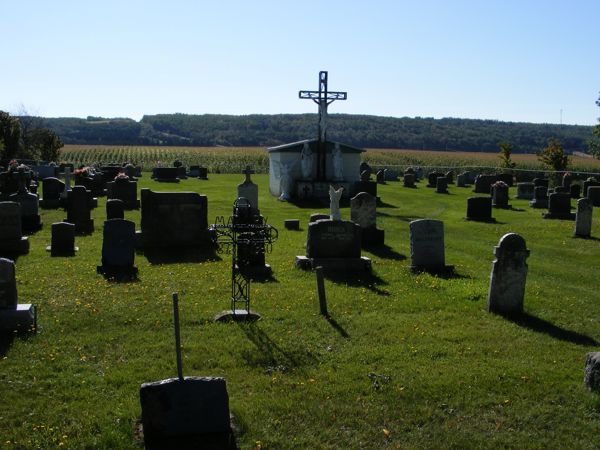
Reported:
(14, 316)
(427, 250)
(583, 218)
(591, 376)
(509, 273)
(63, 239)
(479, 209)
(291, 224)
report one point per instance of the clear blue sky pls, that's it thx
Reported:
(506, 60)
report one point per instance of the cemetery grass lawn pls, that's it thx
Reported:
(405, 361)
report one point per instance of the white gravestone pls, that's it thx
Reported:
(334, 203)
(583, 217)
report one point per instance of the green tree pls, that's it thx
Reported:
(594, 144)
(555, 158)
(44, 144)
(504, 155)
(10, 136)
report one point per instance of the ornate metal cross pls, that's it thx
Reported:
(323, 98)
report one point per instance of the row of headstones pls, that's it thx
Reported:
(174, 174)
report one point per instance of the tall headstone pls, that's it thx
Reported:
(583, 218)
(593, 193)
(63, 239)
(118, 249)
(540, 197)
(52, 188)
(509, 273)
(123, 189)
(363, 211)
(559, 207)
(427, 251)
(441, 185)
(479, 209)
(12, 240)
(14, 316)
(79, 210)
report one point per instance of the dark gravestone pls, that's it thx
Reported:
(123, 189)
(593, 193)
(587, 183)
(363, 211)
(13, 316)
(118, 249)
(63, 239)
(30, 217)
(506, 178)
(479, 209)
(483, 183)
(45, 171)
(409, 180)
(450, 177)
(166, 174)
(525, 191)
(318, 216)
(432, 178)
(79, 211)
(115, 209)
(334, 245)
(567, 179)
(461, 180)
(540, 197)
(441, 185)
(172, 220)
(390, 175)
(575, 191)
(380, 176)
(559, 207)
(203, 173)
(509, 273)
(291, 224)
(500, 195)
(11, 233)
(366, 186)
(540, 182)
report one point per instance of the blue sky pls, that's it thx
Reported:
(504, 60)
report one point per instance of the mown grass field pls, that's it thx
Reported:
(408, 361)
(233, 159)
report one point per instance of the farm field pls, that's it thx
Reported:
(406, 360)
(233, 159)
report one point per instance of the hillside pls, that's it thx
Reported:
(357, 130)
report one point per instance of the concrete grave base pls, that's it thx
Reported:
(21, 319)
(237, 315)
(362, 264)
(58, 253)
(18, 246)
(291, 224)
(185, 414)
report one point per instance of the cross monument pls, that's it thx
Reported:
(323, 98)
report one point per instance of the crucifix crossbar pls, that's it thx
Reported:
(323, 98)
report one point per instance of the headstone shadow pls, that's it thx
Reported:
(539, 325)
(587, 238)
(6, 340)
(449, 273)
(402, 218)
(383, 204)
(173, 256)
(385, 252)
(269, 354)
(368, 280)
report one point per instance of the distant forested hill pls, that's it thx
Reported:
(357, 130)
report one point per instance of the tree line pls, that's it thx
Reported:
(357, 130)
(27, 138)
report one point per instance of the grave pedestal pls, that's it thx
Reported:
(23, 318)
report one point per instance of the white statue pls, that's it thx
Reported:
(334, 203)
(284, 173)
(338, 163)
(306, 161)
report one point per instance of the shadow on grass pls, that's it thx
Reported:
(385, 252)
(403, 218)
(587, 238)
(367, 280)
(538, 325)
(337, 327)
(6, 340)
(383, 204)
(180, 255)
(270, 354)
(445, 273)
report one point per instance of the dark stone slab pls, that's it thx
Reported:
(333, 239)
(118, 249)
(479, 209)
(115, 209)
(63, 239)
(79, 210)
(559, 207)
(166, 174)
(51, 190)
(291, 224)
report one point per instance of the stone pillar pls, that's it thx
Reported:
(509, 273)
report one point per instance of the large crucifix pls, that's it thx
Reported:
(323, 98)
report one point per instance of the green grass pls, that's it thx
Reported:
(458, 376)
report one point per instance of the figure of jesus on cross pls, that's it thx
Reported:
(323, 98)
